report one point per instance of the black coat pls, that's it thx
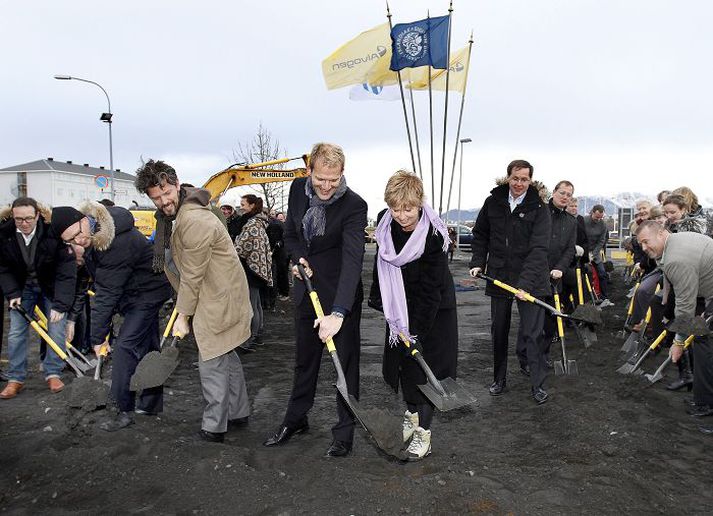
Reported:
(54, 265)
(336, 257)
(583, 242)
(564, 238)
(431, 302)
(120, 262)
(513, 245)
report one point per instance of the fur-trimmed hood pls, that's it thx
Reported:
(45, 212)
(106, 228)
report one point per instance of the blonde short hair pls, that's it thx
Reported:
(689, 196)
(329, 154)
(404, 189)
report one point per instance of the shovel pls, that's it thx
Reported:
(630, 310)
(79, 367)
(167, 331)
(635, 360)
(155, 368)
(637, 339)
(658, 374)
(42, 319)
(583, 331)
(565, 366)
(90, 393)
(387, 433)
(445, 394)
(577, 315)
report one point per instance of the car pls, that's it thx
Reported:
(466, 236)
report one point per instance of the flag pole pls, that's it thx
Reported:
(460, 120)
(430, 121)
(445, 110)
(403, 100)
(415, 133)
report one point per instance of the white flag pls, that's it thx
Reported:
(366, 91)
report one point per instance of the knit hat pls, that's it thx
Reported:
(63, 217)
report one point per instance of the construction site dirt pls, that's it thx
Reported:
(604, 443)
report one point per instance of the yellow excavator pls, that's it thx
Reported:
(233, 176)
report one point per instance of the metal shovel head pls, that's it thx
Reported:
(626, 369)
(572, 369)
(583, 335)
(587, 313)
(631, 343)
(559, 369)
(91, 363)
(655, 377)
(456, 396)
(79, 365)
(154, 369)
(641, 347)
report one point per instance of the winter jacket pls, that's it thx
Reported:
(253, 247)
(694, 222)
(120, 261)
(582, 242)
(514, 245)
(54, 263)
(597, 235)
(564, 238)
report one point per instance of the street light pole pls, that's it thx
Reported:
(460, 188)
(105, 117)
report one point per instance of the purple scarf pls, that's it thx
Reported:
(389, 263)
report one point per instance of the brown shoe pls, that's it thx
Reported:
(11, 390)
(55, 384)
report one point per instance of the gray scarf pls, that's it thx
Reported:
(315, 218)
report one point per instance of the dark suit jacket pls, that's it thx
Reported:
(336, 257)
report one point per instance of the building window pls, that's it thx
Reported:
(22, 184)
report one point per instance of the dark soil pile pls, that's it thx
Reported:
(604, 444)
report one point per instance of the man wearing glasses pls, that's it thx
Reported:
(120, 259)
(36, 269)
(511, 238)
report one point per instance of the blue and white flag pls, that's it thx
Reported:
(420, 43)
(367, 91)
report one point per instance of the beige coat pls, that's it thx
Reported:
(213, 287)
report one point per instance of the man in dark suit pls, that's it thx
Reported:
(512, 237)
(324, 232)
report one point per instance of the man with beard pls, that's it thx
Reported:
(325, 233)
(686, 260)
(195, 250)
(512, 238)
(119, 258)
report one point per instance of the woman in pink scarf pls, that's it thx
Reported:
(414, 288)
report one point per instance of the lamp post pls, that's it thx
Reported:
(460, 185)
(105, 117)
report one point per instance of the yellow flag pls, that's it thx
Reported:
(456, 81)
(350, 63)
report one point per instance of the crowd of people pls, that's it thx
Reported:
(224, 271)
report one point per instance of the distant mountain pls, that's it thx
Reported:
(465, 215)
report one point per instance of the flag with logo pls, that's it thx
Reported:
(458, 77)
(368, 91)
(420, 43)
(350, 63)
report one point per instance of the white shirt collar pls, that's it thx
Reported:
(515, 201)
(28, 238)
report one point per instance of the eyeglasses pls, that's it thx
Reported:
(24, 220)
(519, 179)
(72, 240)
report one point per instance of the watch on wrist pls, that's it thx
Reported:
(338, 314)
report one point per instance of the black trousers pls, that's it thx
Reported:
(281, 268)
(530, 334)
(139, 334)
(308, 357)
(703, 370)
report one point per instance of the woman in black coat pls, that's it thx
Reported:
(410, 231)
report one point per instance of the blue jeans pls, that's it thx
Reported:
(17, 339)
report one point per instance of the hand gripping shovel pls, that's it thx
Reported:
(565, 366)
(79, 367)
(632, 365)
(658, 374)
(155, 368)
(42, 319)
(583, 331)
(387, 432)
(169, 326)
(445, 394)
(595, 319)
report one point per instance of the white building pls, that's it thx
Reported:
(59, 183)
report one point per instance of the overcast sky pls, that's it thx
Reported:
(613, 95)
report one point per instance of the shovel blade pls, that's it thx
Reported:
(559, 369)
(91, 364)
(587, 313)
(384, 428)
(630, 344)
(456, 396)
(154, 369)
(572, 368)
(625, 369)
(653, 378)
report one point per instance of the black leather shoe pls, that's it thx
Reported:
(690, 402)
(238, 422)
(339, 449)
(708, 430)
(539, 395)
(211, 437)
(680, 384)
(284, 433)
(700, 411)
(497, 388)
(525, 369)
(121, 420)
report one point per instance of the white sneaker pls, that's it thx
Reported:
(420, 444)
(606, 303)
(410, 424)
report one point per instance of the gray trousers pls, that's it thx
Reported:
(224, 391)
(257, 321)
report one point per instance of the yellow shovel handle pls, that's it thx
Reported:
(630, 311)
(167, 331)
(36, 326)
(560, 327)
(658, 340)
(513, 290)
(320, 313)
(580, 292)
(688, 342)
